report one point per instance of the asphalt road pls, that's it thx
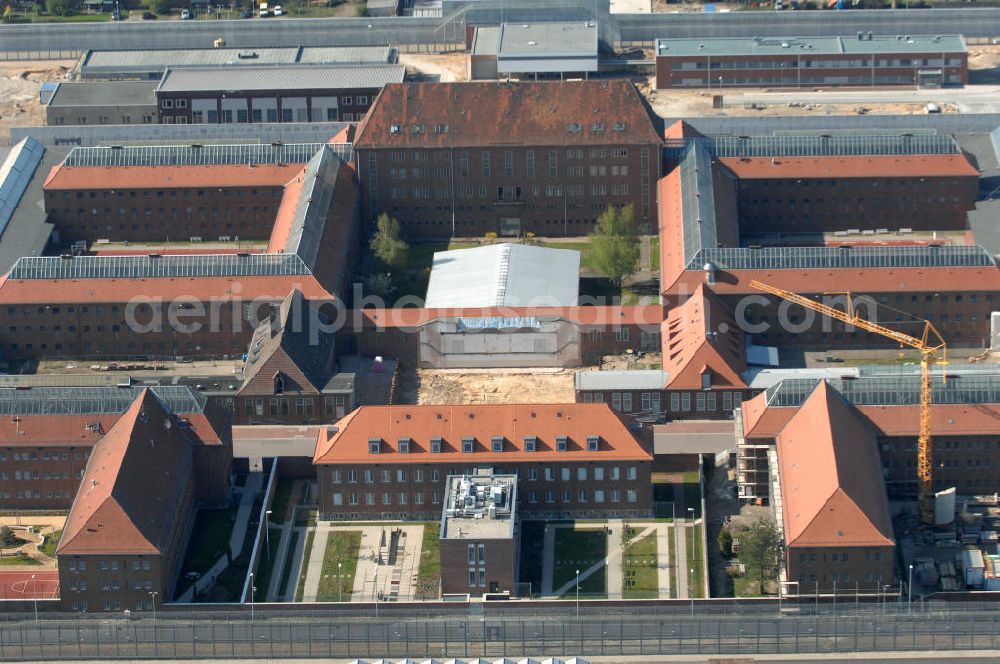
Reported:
(970, 99)
(971, 22)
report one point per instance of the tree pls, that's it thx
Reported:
(8, 540)
(7, 13)
(614, 244)
(59, 7)
(726, 542)
(388, 243)
(380, 284)
(761, 549)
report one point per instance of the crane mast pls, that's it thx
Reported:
(930, 344)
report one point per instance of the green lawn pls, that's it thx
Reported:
(51, 542)
(640, 568)
(744, 586)
(429, 572)
(306, 552)
(209, 539)
(654, 254)
(19, 559)
(579, 550)
(72, 18)
(673, 564)
(696, 561)
(342, 547)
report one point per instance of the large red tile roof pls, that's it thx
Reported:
(853, 166)
(133, 486)
(63, 177)
(349, 443)
(508, 114)
(274, 287)
(832, 490)
(701, 336)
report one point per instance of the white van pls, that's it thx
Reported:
(185, 14)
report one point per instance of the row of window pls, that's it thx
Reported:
(80, 606)
(80, 565)
(583, 496)
(839, 557)
(237, 192)
(32, 455)
(105, 119)
(549, 473)
(793, 63)
(36, 475)
(360, 100)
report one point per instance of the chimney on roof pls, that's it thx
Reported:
(709, 273)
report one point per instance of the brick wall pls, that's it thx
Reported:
(867, 568)
(493, 568)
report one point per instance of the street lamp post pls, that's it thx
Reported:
(375, 591)
(691, 552)
(267, 536)
(909, 590)
(577, 593)
(34, 595)
(340, 584)
(252, 589)
(690, 589)
(152, 594)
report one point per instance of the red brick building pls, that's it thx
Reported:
(793, 62)
(833, 509)
(125, 536)
(47, 436)
(572, 460)
(164, 203)
(471, 158)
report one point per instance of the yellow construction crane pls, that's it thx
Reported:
(933, 350)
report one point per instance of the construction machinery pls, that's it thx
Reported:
(933, 350)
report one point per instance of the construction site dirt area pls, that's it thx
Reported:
(443, 68)
(20, 83)
(483, 386)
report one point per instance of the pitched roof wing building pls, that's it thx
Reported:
(138, 477)
(831, 476)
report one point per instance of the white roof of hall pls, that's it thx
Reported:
(504, 275)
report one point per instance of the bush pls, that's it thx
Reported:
(8, 540)
(726, 542)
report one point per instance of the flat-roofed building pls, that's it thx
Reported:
(533, 50)
(574, 460)
(102, 103)
(149, 64)
(480, 541)
(862, 60)
(316, 93)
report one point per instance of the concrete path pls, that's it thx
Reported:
(315, 568)
(279, 560)
(247, 493)
(612, 558)
(682, 569)
(645, 261)
(616, 575)
(298, 556)
(663, 569)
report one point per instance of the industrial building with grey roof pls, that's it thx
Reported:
(536, 50)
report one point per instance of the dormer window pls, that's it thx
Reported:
(468, 444)
(436, 445)
(706, 381)
(497, 443)
(279, 384)
(619, 126)
(374, 445)
(404, 445)
(395, 129)
(597, 127)
(593, 443)
(530, 443)
(416, 129)
(562, 443)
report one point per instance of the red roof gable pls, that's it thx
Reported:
(701, 336)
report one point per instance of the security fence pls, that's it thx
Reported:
(563, 632)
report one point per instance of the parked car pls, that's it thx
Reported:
(148, 16)
(277, 10)
(185, 14)
(246, 13)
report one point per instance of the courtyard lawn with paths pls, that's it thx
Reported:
(579, 550)
(429, 571)
(639, 567)
(342, 547)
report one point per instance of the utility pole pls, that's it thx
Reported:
(909, 590)
(267, 537)
(152, 594)
(34, 595)
(252, 589)
(340, 584)
(578, 594)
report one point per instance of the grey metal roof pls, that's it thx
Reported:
(504, 275)
(700, 229)
(318, 77)
(357, 55)
(785, 258)
(151, 267)
(27, 233)
(104, 93)
(159, 59)
(16, 173)
(487, 40)
(193, 155)
(821, 144)
(759, 379)
(548, 39)
(887, 390)
(93, 400)
(859, 44)
(106, 379)
(313, 206)
(639, 379)
(694, 437)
